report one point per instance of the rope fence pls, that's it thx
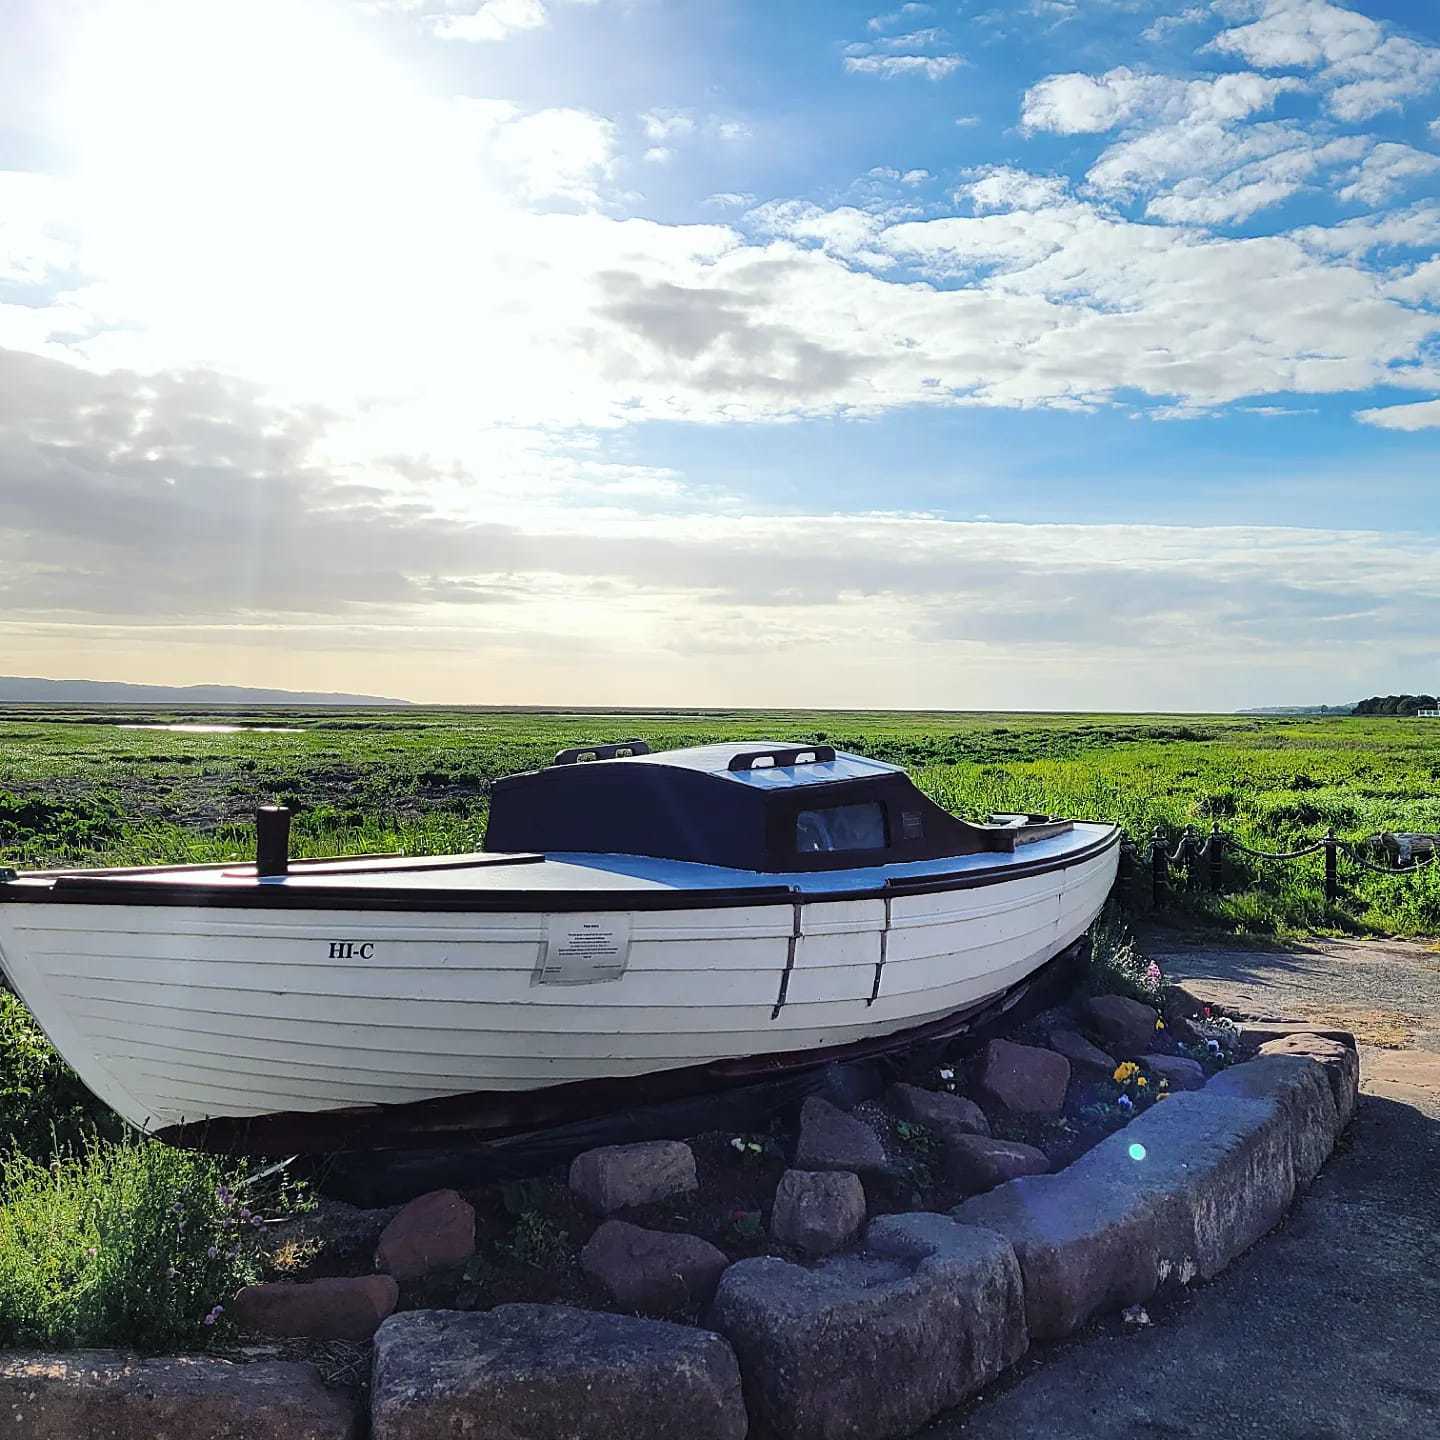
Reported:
(1194, 855)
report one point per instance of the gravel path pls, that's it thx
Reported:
(1330, 1328)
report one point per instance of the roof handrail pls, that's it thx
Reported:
(614, 750)
(766, 759)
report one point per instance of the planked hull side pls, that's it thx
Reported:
(176, 1016)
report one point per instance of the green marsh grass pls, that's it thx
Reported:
(77, 790)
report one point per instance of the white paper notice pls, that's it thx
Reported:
(584, 949)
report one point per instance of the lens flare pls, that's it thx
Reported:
(1137, 1151)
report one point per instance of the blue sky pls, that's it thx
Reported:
(722, 352)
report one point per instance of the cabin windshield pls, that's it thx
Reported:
(840, 827)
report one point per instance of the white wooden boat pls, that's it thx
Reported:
(637, 924)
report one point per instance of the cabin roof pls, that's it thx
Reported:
(758, 765)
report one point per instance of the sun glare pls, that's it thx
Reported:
(251, 170)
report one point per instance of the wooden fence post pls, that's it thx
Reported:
(1125, 869)
(1217, 857)
(1332, 883)
(1158, 868)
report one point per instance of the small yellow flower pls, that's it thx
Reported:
(1125, 1071)
(1140, 1081)
(1159, 1023)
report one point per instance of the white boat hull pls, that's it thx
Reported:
(177, 1015)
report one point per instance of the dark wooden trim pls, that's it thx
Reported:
(884, 949)
(95, 890)
(789, 960)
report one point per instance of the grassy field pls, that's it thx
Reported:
(77, 788)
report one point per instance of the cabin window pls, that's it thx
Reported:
(840, 827)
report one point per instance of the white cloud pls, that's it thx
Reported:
(845, 231)
(1417, 226)
(665, 129)
(560, 154)
(913, 40)
(1001, 187)
(658, 155)
(1076, 104)
(730, 200)
(932, 67)
(1363, 67)
(1424, 416)
(1165, 25)
(663, 125)
(899, 177)
(36, 225)
(1385, 172)
(1207, 173)
(492, 20)
(905, 13)
(1421, 285)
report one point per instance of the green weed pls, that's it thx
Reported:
(44, 1108)
(538, 1241)
(131, 1243)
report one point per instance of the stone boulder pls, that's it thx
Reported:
(435, 1232)
(818, 1211)
(1125, 1023)
(873, 1344)
(1341, 1063)
(976, 1163)
(1298, 1090)
(342, 1236)
(652, 1270)
(832, 1140)
(616, 1177)
(1255, 1033)
(1081, 1053)
(536, 1372)
(349, 1309)
(112, 1395)
(1180, 1073)
(939, 1110)
(1023, 1078)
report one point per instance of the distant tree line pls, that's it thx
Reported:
(1394, 705)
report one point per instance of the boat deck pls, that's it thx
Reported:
(494, 876)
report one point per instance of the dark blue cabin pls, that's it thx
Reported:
(760, 806)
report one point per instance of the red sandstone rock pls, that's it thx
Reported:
(349, 1309)
(1023, 1078)
(431, 1233)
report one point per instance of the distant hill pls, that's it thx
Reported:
(28, 690)
(1395, 704)
(1349, 708)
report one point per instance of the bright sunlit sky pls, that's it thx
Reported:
(1057, 354)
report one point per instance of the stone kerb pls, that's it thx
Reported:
(1177, 1194)
(875, 1343)
(533, 1372)
(119, 1396)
